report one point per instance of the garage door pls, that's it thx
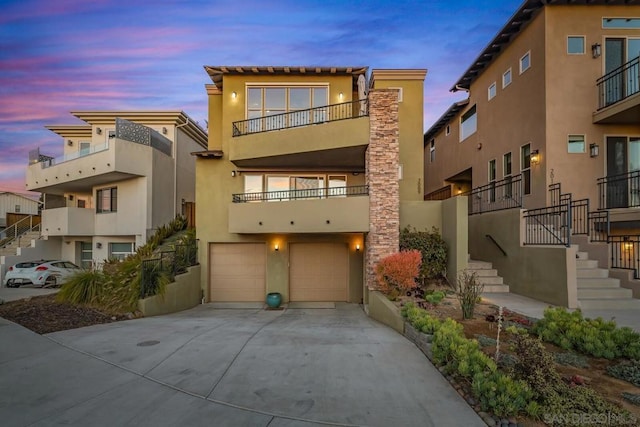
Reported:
(237, 272)
(318, 272)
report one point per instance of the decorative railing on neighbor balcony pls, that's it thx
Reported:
(619, 84)
(306, 194)
(619, 191)
(311, 116)
(496, 196)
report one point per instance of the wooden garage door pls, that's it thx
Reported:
(237, 272)
(318, 271)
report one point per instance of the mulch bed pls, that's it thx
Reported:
(43, 314)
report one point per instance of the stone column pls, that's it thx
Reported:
(382, 161)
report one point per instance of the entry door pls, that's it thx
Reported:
(623, 178)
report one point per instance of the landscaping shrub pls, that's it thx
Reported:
(85, 287)
(571, 359)
(626, 371)
(397, 273)
(432, 248)
(632, 398)
(595, 337)
(468, 291)
(435, 297)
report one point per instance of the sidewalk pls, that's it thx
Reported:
(534, 308)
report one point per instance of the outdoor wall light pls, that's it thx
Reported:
(594, 150)
(234, 94)
(341, 96)
(70, 143)
(233, 174)
(164, 130)
(98, 245)
(358, 247)
(596, 50)
(276, 247)
(535, 157)
(99, 131)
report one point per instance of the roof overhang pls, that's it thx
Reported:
(208, 154)
(216, 72)
(523, 16)
(71, 131)
(444, 119)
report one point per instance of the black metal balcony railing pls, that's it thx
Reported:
(619, 191)
(619, 84)
(311, 193)
(548, 226)
(496, 196)
(625, 253)
(292, 119)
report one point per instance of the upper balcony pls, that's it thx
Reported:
(68, 222)
(129, 153)
(333, 136)
(330, 210)
(619, 95)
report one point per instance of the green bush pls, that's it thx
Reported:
(626, 371)
(595, 337)
(468, 291)
(433, 249)
(501, 394)
(435, 297)
(85, 287)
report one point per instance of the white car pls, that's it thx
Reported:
(39, 273)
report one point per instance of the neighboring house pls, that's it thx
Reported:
(308, 175)
(552, 118)
(122, 175)
(14, 205)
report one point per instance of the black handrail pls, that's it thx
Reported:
(310, 116)
(490, 237)
(496, 196)
(309, 193)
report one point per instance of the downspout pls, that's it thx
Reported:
(175, 166)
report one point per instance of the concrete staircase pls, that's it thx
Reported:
(22, 241)
(596, 290)
(487, 275)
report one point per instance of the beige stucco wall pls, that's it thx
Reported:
(182, 294)
(384, 311)
(544, 273)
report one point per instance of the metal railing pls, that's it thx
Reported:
(496, 196)
(625, 253)
(548, 226)
(170, 263)
(15, 231)
(306, 194)
(310, 116)
(619, 84)
(619, 191)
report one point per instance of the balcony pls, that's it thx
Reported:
(619, 95)
(333, 210)
(333, 136)
(68, 222)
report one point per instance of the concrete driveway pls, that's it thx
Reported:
(215, 367)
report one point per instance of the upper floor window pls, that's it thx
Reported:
(506, 164)
(525, 62)
(448, 130)
(525, 168)
(468, 123)
(575, 45)
(432, 151)
(107, 200)
(620, 22)
(506, 78)
(492, 180)
(491, 92)
(17, 209)
(576, 144)
(269, 101)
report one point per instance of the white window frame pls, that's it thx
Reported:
(504, 164)
(526, 55)
(525, 171)
(432, 151)
(584, 44)
(584, 143)
(121, 255)
(400, 93)
(491, 95)
(504, 80)
(463, 135)
(447, 131)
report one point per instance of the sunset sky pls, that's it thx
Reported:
(63, 55)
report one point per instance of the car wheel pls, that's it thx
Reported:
(50, 282)
(11, 283)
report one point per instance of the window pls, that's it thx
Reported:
(525, 168)
(432, 151)
(107, 199)
(400, 94)
(492, 180)
(337, 185)
(85, 148)
(253, 185)
(620, 22)
(448, 130)
(271, 101)
(576, 144)
(506, 78)
(575, 45)
(120, 251)
(468, 123)
(525, 62)
(506, 173)
(86, 255)
(17, 209)
(491, 92)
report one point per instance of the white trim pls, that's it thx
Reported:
(528, 53)
(495, 91)
(400, 94)
(510, 73)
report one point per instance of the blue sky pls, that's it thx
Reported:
(63, 55)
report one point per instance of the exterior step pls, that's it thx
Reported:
(489, 289)
(479, 265)
(484, 272)
(604, 293)
(582, 255)
(494, 280)
(586, 263)
(610, 304)
(592, 272)
(598, 282)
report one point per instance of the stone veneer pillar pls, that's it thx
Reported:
(382, 161)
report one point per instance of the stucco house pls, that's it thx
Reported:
(309, 173)
(550, 132)
(122, 174)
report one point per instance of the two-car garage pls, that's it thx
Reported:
(317, 271)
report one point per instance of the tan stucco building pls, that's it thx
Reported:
(122, 174)
(308, 175)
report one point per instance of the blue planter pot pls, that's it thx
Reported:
(274, 299)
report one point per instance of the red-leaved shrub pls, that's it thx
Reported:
(398, 272)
